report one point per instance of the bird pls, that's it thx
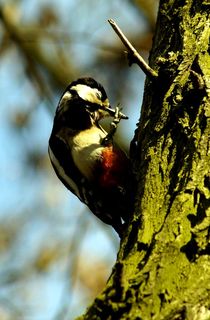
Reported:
(86, 157)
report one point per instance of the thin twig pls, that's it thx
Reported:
(132, 52)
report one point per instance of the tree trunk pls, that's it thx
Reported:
(163, 266)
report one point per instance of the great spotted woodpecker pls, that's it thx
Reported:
(85, 157)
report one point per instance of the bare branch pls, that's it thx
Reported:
(133, 55)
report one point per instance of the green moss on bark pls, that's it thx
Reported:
(163, 267)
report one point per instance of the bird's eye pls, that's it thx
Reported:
(98, 95)
(92, 106)
(73, 92)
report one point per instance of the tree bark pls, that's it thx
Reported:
(163, 266)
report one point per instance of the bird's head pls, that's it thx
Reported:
(87, 99)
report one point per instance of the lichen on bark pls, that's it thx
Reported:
(163, 266)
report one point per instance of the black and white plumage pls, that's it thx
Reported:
(97, 173)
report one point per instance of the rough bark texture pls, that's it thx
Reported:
(163, 267)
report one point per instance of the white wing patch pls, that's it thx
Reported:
(62, 173)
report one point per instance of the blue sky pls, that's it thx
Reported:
(23, 191)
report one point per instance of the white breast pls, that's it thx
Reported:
(87, 149)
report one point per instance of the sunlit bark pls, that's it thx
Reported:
(163, 267)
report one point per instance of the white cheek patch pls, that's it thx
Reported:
(87, 93)
(67, 96)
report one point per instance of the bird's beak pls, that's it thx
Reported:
(116, 112)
